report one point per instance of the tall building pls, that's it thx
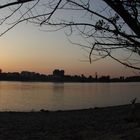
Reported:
(96, 76)
(58, 75)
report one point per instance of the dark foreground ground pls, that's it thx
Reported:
(111, 123)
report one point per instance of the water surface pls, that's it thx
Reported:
(27, 96)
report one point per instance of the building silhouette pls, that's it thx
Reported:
(58, 75)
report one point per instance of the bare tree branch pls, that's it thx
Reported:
(14, 3)
(102, 31)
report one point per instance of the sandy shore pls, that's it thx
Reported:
(110, 123)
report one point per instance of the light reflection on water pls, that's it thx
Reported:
(27, 96)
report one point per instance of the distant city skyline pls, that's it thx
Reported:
(58, 75)
(51, 72)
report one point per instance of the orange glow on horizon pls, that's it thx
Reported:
(41, 52)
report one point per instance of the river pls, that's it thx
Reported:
(33, 96)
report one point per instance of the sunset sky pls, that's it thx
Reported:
(27, 48)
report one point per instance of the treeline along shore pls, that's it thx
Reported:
(59, 76)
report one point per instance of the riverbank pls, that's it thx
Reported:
(109, 123)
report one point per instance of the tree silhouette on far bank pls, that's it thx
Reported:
(107, 28)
